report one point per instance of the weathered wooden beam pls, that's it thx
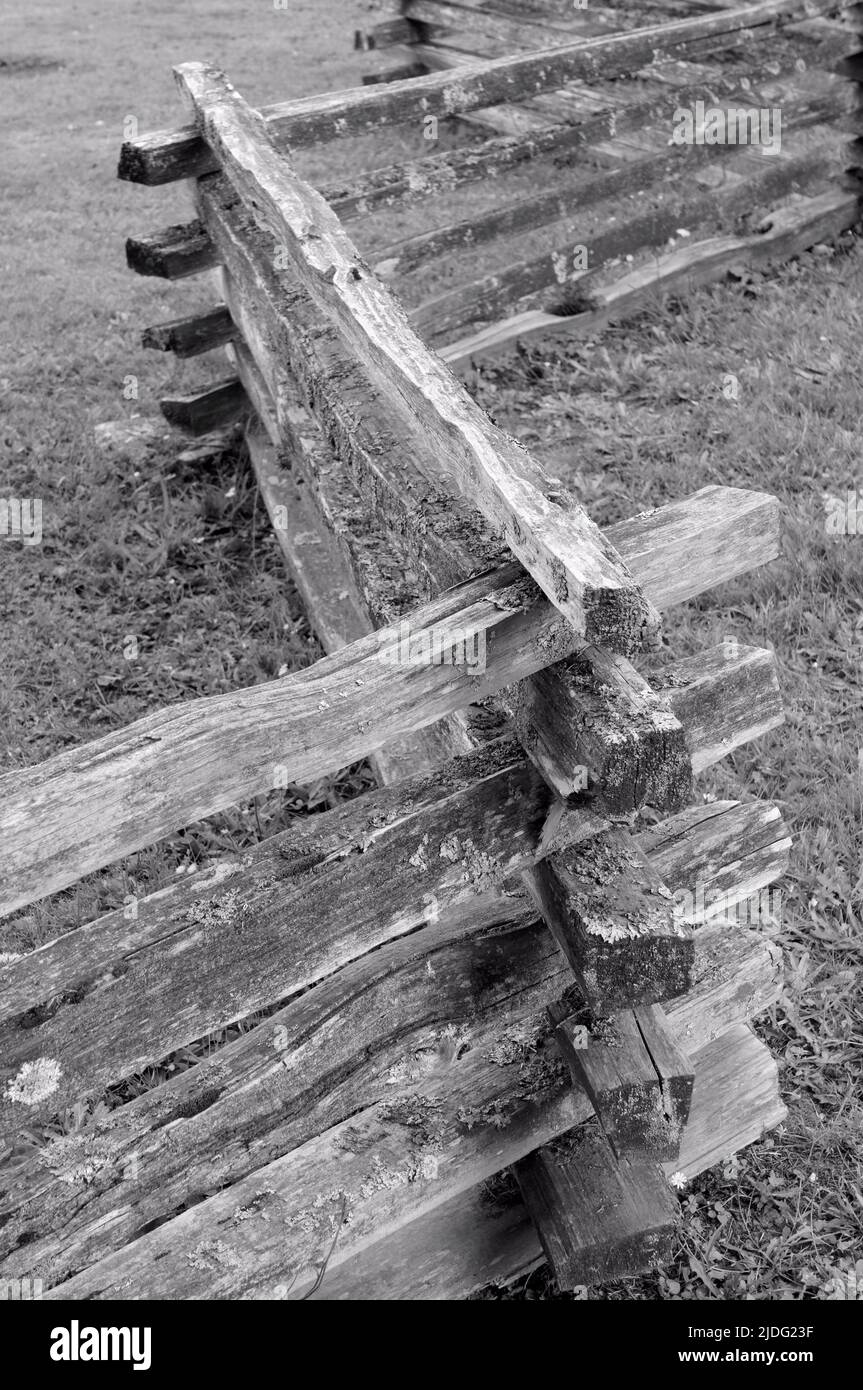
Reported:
(710, 891)
(595, 723)
(402, 72)
(786, 231)
(563, 551)
(209, 409)
(638, 1080)
(613, 918)
(599, 1217)
(174, 252)
(200, 974)
(626, 744)
(368, 1032)
(164, 156)
(402, 185)
(308, 529)
(388, 33)
(525, 214)
(361, 1180)
(191, 335)
(449, 548)
(91, 805)
(733, 687)
(544, 208)
(485, 1236)
(445, 541)
(467, 21)
(558, 272)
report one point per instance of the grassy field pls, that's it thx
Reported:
(178, 555)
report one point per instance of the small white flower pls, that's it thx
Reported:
(678, 1180)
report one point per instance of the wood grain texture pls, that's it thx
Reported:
(599, 1216)
(172, 253)
(464, 1121)
(198, 412)
(446, 541)
(594, 721)
(192, 334)
(638, 1080)
(613, 918)
(310, 531)
(88, 806)
(183, 950)
(786, 232)
(556, 279)
(485, 1236)
(378, 1025)
(163, 156)
(564, 551)
(750, 703)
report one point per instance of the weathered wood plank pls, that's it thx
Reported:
(731, 1099)
(599, 1217)
(441, 536)
(191, 335)
(594, 722)
(308, 532)
(786, 232)
(708, 893)
(434, 843)
(377, 1027)
(514, 33)
(360, 1181)
(88, 806)
(560, 273)
(164, 156)
(612, 916)
(174, 252)
(485, 1236)
(713, 858)
(638, 1080)
(546, 207)
(563, 551)
(202, 411)
(387, 33)
(749, 705)
(402, 185)
(317, 566)
(525, 214)
(234, 938)
(446, 542)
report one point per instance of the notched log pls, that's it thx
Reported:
(614, 920)
(599, 1217)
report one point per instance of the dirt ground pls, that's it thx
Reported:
(179, 554)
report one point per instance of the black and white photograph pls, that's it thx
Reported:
(431, 670)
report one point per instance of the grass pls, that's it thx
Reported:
(178, 556)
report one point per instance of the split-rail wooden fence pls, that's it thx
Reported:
(611, 210)
(493, 1006)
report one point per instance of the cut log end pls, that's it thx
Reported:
(598, 1217)
(614, 920)
(621, 620)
